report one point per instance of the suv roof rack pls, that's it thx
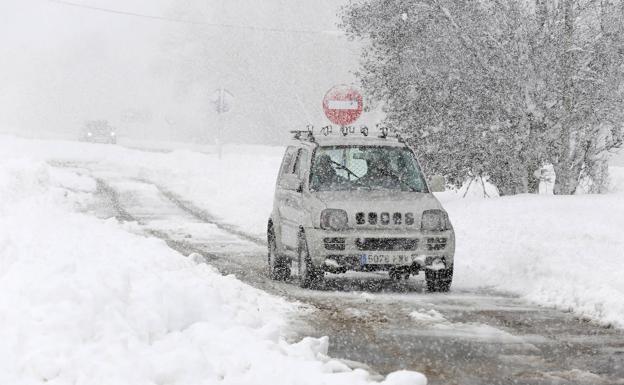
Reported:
(385, 132)
(344, 130)
(307, 134)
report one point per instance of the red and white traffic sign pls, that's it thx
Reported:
(343, 105)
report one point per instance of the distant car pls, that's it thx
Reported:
(357, 203)
(99, 131)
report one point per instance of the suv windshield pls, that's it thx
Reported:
(339, 168)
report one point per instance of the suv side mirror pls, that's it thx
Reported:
(437, 183)
(290, 182)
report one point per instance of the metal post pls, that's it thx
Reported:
(222, 100)
(220, 111)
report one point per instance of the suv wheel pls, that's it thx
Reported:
(308, 275)
(279, 269)
(439, 280)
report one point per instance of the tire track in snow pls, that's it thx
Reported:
(353, 335)
(185, 248)
(120, 212)
(486, 337)
(204, 215)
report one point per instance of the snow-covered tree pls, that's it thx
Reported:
(497, 88)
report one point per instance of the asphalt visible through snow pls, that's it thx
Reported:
(462, 337)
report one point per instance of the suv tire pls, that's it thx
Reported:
(308, 274)
(439, 281)
(279, 269)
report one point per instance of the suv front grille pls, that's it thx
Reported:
(384, 218)
(386, 244)
(436, 244)
(334, 243)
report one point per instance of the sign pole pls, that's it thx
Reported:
(220, 110)
(222, 100)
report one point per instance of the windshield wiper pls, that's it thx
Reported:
(402, 182)
(344, 168)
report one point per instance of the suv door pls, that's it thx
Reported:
(290, 204)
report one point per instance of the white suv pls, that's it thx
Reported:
(357, 203)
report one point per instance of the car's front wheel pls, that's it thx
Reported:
(279, 269)
(308, 274)
(439, 280)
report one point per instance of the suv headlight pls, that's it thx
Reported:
(334, 219)
(434, 220)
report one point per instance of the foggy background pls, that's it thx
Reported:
(63, 64)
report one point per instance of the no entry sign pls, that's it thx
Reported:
(343, 105)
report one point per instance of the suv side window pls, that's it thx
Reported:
(300, 163)
(288, 163)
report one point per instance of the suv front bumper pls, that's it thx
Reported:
(370, 250)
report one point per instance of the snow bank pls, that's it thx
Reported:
(554, 250)
(616, 176)
(237, 188)
(83, 301)
(563, 251)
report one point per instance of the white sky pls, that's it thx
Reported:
(62, 65)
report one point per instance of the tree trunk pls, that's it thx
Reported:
(566, 178)
(532, 181)
(565, 181)
(562, 177)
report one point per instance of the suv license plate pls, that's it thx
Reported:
(384, 259)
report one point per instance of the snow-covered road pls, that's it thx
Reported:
(85, 296)
(459, 338)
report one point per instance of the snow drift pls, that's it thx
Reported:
(562, 251)
(84, 301)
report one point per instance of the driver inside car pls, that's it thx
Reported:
(325, 174)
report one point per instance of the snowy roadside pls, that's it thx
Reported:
(556, 251)
(237, 188)
(87, 301)
(563, 251)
